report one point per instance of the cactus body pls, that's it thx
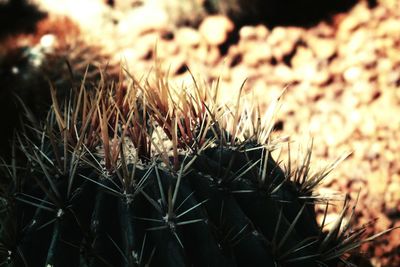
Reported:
(147, 176)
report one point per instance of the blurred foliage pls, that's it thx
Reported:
(18, 16)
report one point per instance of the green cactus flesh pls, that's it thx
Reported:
(144, 175)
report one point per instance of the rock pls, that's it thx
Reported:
(259, 90)
(307, 72)
(359, 15)
(368, 126)
(146, 46)
(238, 75)
(322, 48)
(389, 27)
(178, 65)
(365, 91)
(384, 66)
(383, 223)
(321, 78)
(283, 41)
(302, 57)
(287, 47)
(390, 4)
(134, 24)
(247, 33)
(130, 54)
(255, 52)
(350, 99)
(277, 35)
(86, 14)
(352, 74)
(187, 36)
(367, 57)
(262, 32)
(323, 30)
(166, 48)
(358, 40)
(215, 29)
(283, 73)
(330, 220)
(259, 32)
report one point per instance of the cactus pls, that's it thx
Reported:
(141, 174)
(273, 12)
(55, 52)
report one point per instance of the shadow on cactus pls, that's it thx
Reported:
(137, 173)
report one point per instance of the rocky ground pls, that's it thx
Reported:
(342, 80)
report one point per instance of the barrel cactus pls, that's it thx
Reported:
(56, 51)
(283, 12)
(140, 174)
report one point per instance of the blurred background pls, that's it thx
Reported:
(338, 60)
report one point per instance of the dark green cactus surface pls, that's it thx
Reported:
(139, 174)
